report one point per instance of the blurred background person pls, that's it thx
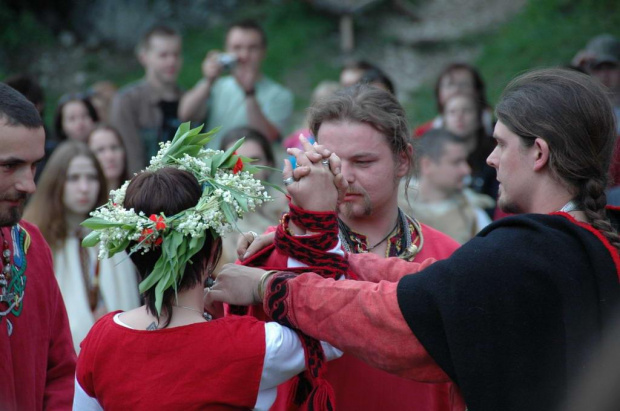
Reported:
(324, 89)
(597, 388)
(462, 116)
(246, 96)
(364, 72)
(353, 72)
(75, 118)
(440, 198)
(257, 147)
(601, 59)
(458, 78)
(145, 112)
(101, 95)
(71, 186)
(107, 145)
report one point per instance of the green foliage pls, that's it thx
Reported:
(20, 30)
(546, 33)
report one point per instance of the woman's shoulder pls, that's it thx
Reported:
(98, 332)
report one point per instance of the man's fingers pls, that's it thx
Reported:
(342, 185)
(258, 244)
(300, 172)
(335, 164)
(214, 299)
(301, 158)
(243, 242)
(287, 170)
(309, 149)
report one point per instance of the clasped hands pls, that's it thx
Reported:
(318, 185)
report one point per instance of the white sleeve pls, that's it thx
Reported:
(284, 355)
(84, 402)
(284, 358)
(291, 262)
(482, 218)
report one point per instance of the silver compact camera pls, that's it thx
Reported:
(227, 61)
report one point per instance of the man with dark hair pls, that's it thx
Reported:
(245, 97)
(363, 72)
(441, 198)
(30, 88)
(145, 112)
(37, 358)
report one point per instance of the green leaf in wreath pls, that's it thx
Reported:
(91, 239)
(97, 223)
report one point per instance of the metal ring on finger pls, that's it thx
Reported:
(325, 163)
(253, 234)
(288, 181)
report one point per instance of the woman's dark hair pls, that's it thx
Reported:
(573, 114)
(168, 191)
(477, 159)
(479, 87)
(250, 134)
(376, 75)
(62, 102)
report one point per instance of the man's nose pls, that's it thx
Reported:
(26, 183)
(347, 172)
(492, 158)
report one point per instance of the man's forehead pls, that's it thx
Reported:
(238, 33)
(158, 42)
(21, 142)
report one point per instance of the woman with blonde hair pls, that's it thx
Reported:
(71, 186)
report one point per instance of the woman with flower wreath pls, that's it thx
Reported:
(72, 185)
(169, 354)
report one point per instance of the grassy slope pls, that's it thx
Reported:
(546, 33)
(303, 46)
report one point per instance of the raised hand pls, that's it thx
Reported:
(211, 68)
(316, 183)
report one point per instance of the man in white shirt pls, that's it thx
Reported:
(245, 97)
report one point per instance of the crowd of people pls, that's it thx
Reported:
(116, 288)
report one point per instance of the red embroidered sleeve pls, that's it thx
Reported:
(374, 268)
(358, 317)
(312, 250)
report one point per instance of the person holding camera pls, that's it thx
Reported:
(242, 97)
(145, 112)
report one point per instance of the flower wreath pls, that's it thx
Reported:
(228, 192)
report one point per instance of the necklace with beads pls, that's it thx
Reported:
(406, 246)
(12, 275)
(204, 314)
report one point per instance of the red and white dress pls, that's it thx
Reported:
(225, 364)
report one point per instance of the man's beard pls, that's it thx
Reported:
(11, 215)
(347, 208)
(508, 207)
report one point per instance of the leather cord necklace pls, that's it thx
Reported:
(384, 238)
